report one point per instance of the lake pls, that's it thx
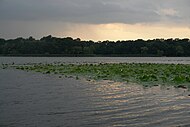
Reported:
(25, 60)
(36, 100)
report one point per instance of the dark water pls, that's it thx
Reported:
(24, 60)
(30, 99)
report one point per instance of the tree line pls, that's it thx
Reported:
(53, 46)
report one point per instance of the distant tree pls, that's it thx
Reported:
(160, 52)
(31, 38)
(51, 45)
(179, 50)
(144, 50)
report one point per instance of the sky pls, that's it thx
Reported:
(95, 19)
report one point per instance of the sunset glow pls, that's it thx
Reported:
(95, 20)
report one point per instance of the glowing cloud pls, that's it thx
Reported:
(95, 19)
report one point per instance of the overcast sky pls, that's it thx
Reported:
(95, 19)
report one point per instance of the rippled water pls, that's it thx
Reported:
(36, 100)
(24, 60)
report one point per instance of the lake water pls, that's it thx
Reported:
(29, 99)
(24, 60)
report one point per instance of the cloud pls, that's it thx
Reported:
(168, 12)
(112, 31)
(70, 17)
(118, 31)
(95, 11)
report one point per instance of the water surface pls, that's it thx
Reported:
(25, 60)
(36, 100)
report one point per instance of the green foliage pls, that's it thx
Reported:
(146, 74)
(52, 46)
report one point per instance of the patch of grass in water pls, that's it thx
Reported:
(141, 73)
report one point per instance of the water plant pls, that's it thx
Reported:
(140, 73)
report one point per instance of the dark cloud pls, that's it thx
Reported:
(95, 11)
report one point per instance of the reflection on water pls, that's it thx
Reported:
(25, 60)
(30, 99)
(131, 105)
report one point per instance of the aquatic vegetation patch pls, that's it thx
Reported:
(3, 66)
(140, 73)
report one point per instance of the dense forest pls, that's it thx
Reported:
(52, 46)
